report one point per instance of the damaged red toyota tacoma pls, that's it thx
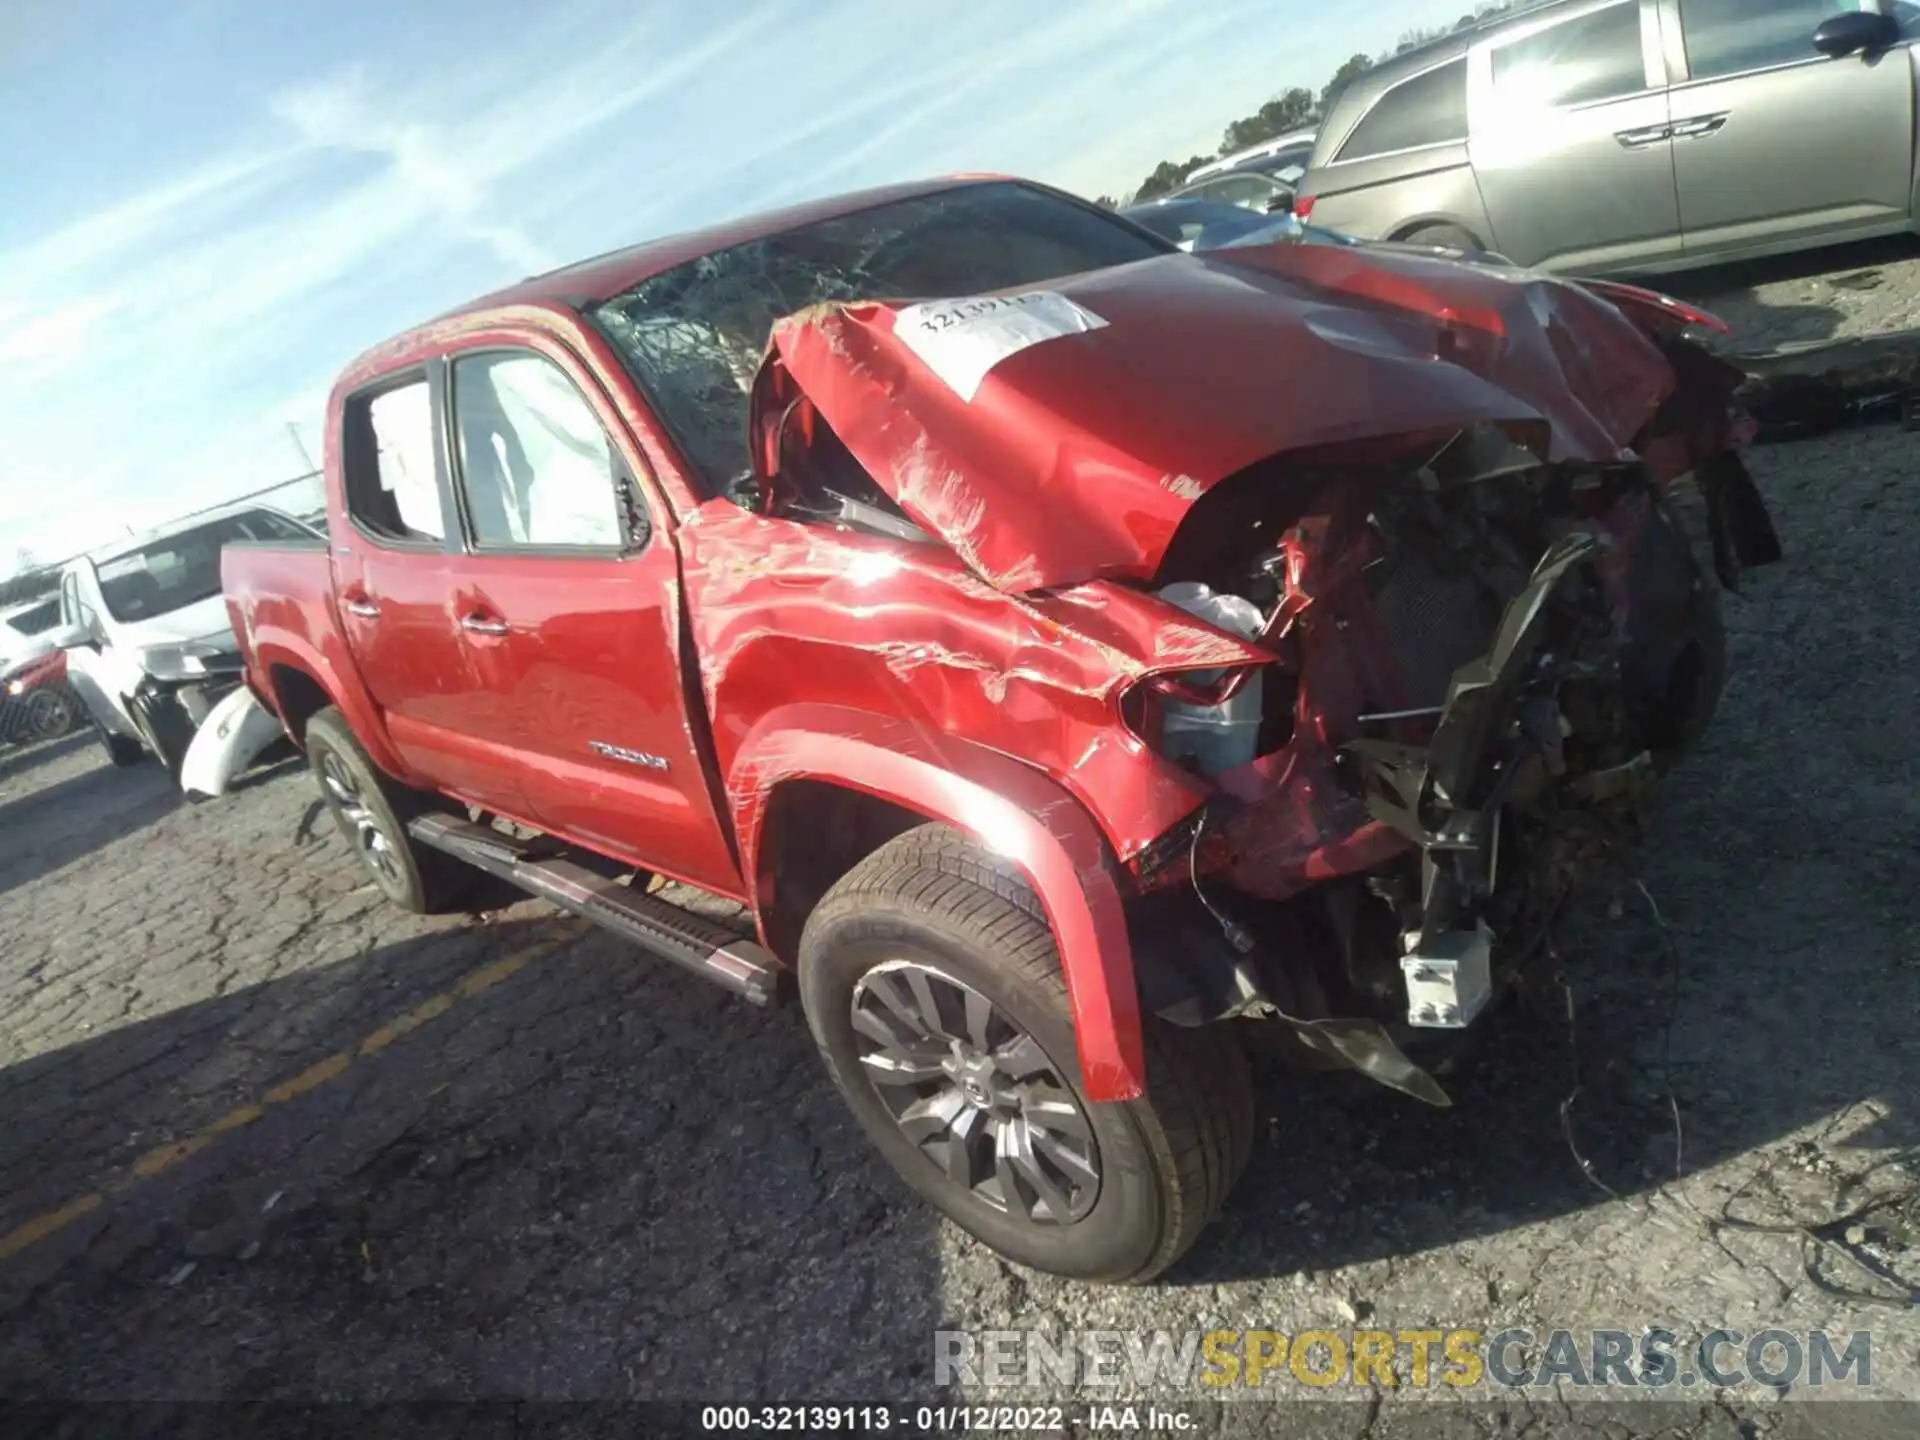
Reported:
(1076, 660)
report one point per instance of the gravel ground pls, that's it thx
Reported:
(515, 1159)
(1842, 292)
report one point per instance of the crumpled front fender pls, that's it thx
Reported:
(1012, 809)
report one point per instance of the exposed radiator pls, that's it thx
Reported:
(1436, 623)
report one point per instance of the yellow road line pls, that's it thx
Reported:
(54, 1221)
(163, 1158)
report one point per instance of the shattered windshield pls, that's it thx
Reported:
(694, 335)
(182, 569)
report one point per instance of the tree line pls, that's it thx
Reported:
(1296, 108)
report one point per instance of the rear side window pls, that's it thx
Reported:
(391, 486)
(1729, 37)
(1596, 57)
(1429, 109)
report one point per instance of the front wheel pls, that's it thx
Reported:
(123, 751)
(933, 988)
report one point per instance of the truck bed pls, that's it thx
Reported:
(282, 589)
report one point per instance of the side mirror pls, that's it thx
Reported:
(1857, 32)
(66, 637)
(1280, 205)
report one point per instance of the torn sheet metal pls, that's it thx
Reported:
(785, 613)
(1078, 458)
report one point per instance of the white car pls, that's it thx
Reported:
(150, 649)
(1280, 153)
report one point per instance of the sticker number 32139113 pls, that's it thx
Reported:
(961, 340)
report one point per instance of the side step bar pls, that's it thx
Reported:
(701, 945)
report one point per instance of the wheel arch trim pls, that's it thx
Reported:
(1011, 808)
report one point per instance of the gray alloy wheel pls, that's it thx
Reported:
(372, 843)
(50, 714)
(975, 1093)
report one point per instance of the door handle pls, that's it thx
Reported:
(360, 607)
(1641, 139)
(480, 624)
(1700, 127)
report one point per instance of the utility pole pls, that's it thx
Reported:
(293, 429)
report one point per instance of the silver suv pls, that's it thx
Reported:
(1603, 136)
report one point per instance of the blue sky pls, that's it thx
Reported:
(208, 206)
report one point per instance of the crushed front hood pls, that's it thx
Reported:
(1064, 437)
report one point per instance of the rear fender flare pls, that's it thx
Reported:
(347, 698)
(1007, 806)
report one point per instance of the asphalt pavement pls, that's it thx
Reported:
(262, 1136)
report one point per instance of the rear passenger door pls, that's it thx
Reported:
(396, 568)
(568, 606)
(1774, 144)
(1571, 142)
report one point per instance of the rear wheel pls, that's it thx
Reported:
(1451, 237)
(932, 985)
(372, 810)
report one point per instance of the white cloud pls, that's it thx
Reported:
(153, 350)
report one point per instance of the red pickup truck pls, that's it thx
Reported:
(1079, 659)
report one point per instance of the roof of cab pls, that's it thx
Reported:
(588, 282)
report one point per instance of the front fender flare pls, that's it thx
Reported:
(1012, 809)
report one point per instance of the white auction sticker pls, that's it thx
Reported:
(961, 340)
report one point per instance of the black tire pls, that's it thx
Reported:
(1450, 237)
(51, 712)
(122, 751)
(1676, 664)
(934, 901)
(373, 821)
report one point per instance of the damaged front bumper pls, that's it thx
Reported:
(234, 735)
(1408, 880)
(169, 713)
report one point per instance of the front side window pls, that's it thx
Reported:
(694, 335)
(1596, 57)
(1730, 37)
(535, 465)
(1429, 109)
(181, 569)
